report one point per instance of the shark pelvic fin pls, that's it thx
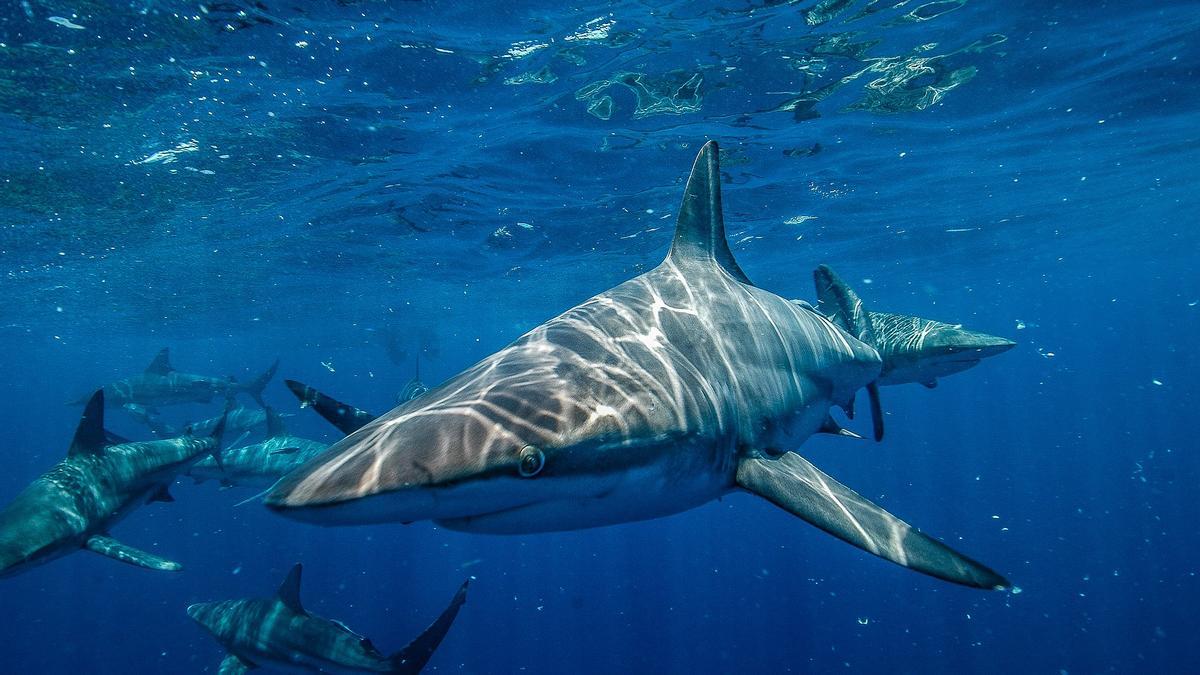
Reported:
(289, 591)
(346, 418)
(832, 427)
(794, 484)
(413, 657)
(837, 301)
(233, 664)
(700, 229)
(90, 437)
(107, 546)
(161, 365)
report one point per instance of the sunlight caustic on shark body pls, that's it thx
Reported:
(658, 395)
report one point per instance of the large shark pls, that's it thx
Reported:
(278, 632)
(259, 464)
(102, 479)
(161, 385)
(663, 393)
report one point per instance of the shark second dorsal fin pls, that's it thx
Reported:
(90, 437)
(700, 229)
(161, 365)
(274, 423)
(289, 592)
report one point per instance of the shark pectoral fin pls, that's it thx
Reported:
(413, 658)
(235, 665)
(346, 418)
(114, 549)
(794, 484)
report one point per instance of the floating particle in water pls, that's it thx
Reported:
(1156, 381)
(862, 621)
(64, 22)
(328, 365)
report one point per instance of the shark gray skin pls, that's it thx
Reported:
(259, 464)
(665, 392)
(278, 632)
(101, 481)
(161, 385)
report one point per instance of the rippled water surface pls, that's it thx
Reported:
(353, 186)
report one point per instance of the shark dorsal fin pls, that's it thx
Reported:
(700, 229)
(161, 365)
(274, 423)
(289, 592)
(90, 438)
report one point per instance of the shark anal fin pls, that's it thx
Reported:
(794, 484)
(161, 365)
(289, 591)
(413, 657)
(90, 437)
(107, 546)
(234, 665)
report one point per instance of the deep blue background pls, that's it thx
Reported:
(350, 188)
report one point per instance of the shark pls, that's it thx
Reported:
(101, 481)
(670, 390)
(259, 464)
(414, 388)
(160, 384)
(237, 420)
(278, 632)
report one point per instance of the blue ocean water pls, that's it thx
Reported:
(353, 186)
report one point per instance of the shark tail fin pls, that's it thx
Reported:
(413, 658)
(845, 309)
(255, 388)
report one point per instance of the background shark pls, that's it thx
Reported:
(238, 420)
(415, 386)
(259, 464)
(279, 632)
(161, 385)
(102, 480)
(665, 392)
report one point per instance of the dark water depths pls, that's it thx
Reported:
(346, 185)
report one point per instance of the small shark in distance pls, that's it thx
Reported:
(665, 392)
(102, 479)
(259, 464)
(414, 388)
(239, 419)
(279, 632)
(161, 385)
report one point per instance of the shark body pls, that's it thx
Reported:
(160, 385)
(278, 632)
(665, 392)
(102, 480)
(259, 464)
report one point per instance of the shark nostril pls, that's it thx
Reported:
(532, 461)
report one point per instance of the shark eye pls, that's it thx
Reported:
(532, 461)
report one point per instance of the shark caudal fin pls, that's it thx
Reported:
(413, 658)
(794, 484)
(346, 418)
(256, 386)
(913, 349)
